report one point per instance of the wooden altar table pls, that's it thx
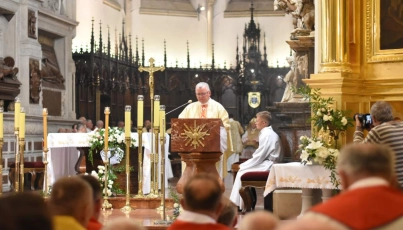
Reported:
(63, 156)
(305, 177)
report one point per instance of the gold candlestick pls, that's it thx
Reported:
(17, 107)
(140, 105)
(162, 146)
(45, 150)
(156, 160)
(21, 135)
(127, 207)
(106, 203)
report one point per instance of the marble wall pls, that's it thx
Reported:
(19, 40)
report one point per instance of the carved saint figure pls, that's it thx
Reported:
(35, 81)
(50, 73)
(6, 68)
(290, 80)
(31, 24)
(303, 11)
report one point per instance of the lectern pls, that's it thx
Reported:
(198, 143)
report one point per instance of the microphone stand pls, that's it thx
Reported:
(190, 101)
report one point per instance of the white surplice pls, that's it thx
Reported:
(269, 152)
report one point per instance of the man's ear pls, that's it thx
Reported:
(219, 209)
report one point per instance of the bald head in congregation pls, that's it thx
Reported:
(71, 203)
(201, 203)
(123, 223)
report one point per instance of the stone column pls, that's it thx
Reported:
(334, 37)
(210, 16)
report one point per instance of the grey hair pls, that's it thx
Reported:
(202, 85)
(367, 159)
(382, 111)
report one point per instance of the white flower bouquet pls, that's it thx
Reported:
(317, 149)
(112, 187)
(116, 142)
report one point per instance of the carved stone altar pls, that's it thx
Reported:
(198, 144)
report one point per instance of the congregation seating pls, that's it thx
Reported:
(29, 167)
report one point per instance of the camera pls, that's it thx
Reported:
(365, 119)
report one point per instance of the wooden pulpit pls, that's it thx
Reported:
(198, 143)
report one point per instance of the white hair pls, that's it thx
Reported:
(202, 85)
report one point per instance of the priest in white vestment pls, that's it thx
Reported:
(206, 107)
(268, 153)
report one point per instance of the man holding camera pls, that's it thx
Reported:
(386, 131)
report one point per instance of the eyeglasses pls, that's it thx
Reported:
(202, 94)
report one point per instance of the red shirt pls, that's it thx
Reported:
(94, 224)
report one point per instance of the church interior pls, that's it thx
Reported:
(128, 61)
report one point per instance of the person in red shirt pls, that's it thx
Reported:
(371, 198)
(97, 197)
(201, 203)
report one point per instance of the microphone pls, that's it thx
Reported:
(190, 101)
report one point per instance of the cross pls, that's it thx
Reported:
(151, 71)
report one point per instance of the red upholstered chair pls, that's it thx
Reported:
(251, 180)
(29, 167)
(235, 168)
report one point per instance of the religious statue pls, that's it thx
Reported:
(34, 82)
(303, 12)
(50, 73)
(298, 71)
(289, 79)
(31, 24)
(6, 68)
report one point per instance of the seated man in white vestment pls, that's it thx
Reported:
(206, 107)
(268, 153)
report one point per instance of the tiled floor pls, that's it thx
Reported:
(149, 217)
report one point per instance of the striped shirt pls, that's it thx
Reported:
(390, 134)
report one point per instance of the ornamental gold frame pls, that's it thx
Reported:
(373, 36)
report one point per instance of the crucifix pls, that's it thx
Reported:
(151, 71)
(154, 145)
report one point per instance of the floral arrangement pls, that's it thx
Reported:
(329, 123)
(113, 188)
(116, 142)
(318, 149)
(324, 115)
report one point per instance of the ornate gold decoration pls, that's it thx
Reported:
(373, 36)
(195, 135)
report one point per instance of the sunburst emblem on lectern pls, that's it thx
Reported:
(194, 135)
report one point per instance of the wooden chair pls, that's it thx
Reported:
(29, 167)
(250, 181)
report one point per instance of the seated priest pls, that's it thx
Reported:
(268, 153)
(206, 107)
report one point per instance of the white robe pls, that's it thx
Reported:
(214, 110)
(269, 152)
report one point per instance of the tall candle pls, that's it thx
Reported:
(45, 128)
(156, 110)
(1, 122)
(17, 107)
(162, 120)
(106, 142)
(21, 132)
(128, 109)
(140, 106)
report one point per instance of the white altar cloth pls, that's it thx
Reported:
(297, 175)
(63, 155)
